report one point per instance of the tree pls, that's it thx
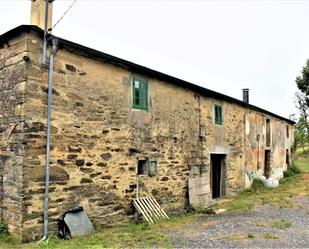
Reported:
(302, 104)
(303, 82)
(301, 132)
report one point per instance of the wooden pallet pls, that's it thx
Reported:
(150, 209)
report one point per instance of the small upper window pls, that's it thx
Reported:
(142, 167)
(218, 114)
(147, 167)
(287, 131)
(140, 93)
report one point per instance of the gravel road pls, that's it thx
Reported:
(254, 229)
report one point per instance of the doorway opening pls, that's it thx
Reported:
(218, 175)
(267, 164)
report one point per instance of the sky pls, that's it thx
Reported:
(221, 45)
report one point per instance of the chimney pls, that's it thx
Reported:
(38, 13)
(245, 95)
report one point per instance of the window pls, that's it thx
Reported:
(142, 167)
(147, 167)
(268, 132)
(140, 93)
(153, 168)
(218, 115)
(287, 131)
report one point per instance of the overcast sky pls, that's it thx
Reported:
(221, 45)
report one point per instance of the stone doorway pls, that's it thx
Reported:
(218, 175)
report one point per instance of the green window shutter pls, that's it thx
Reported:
(218, 114)
(140, 94)
(142, 91)
(145, 96)
(149, 168)
(152, 167)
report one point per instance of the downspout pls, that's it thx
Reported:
(45, 32)
(49, 105)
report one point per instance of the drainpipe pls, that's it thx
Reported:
(47, 168)
(45, 33)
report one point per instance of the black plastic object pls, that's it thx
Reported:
(74, 222)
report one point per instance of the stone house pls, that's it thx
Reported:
(116, 125)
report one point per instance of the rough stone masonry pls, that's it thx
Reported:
(100, 142)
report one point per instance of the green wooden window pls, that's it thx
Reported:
(218, 115)
(152, 168)
(149, 167)
(140, 93)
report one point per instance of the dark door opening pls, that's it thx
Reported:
(267, 164)
(217, 175)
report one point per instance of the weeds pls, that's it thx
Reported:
(257, 185)
(291, 171)
(241, 236)
(251, 235)
(3, 228)
(281, 224)
(270, 236)
(260, 224)
(200, 208)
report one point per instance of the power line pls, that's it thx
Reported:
(64, 13)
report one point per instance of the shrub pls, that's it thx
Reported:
(200, 208)
(3, 228)
(293, 170)
(256, 185)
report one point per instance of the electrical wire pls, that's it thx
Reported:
(64, 14)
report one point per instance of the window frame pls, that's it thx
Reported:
(218, 119)
(145, 167)
(143, 93)
(142, 167)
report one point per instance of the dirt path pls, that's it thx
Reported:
(264, 227)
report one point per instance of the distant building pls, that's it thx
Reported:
(114, 121)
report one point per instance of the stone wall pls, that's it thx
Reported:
(13, 65)
(281, 142)
(98, 138)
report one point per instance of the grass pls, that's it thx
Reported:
(296, 184)
(281, 224)
(241, 236)
(269, 235)
(130, 236)
(156, 235)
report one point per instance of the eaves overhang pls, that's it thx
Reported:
(138, 69)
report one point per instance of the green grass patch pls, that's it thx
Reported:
(131, 236)
(281, 224)
(293, 170)
(270, 236)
